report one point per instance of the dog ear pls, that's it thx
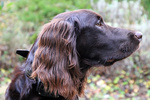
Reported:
(56, 60)
(22, 52)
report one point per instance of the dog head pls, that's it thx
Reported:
(100, 44)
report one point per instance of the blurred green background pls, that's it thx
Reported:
(21, 21)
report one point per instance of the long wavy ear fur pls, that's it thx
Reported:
(56, 62)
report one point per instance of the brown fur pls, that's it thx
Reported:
(65, 50)
(56, 61)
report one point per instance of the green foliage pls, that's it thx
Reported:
(21, 21)
(39, 11)
(146, 5)
(116, 80)
(5, 73)
(33, 38)
(1, 5)
(148, 93)
(122, 86)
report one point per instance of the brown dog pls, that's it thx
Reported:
(67, 47)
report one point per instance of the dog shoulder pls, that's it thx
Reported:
(20, 86)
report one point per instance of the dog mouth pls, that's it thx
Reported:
(110, 62)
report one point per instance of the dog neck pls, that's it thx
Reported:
(39, 85)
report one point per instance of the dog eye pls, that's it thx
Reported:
(99, 22)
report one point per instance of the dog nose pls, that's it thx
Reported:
(138, 35)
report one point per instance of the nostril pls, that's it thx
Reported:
(138, 35)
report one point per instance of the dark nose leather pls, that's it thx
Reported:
(138, 35)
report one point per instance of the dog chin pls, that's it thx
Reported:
(108, 64)
(112, 61)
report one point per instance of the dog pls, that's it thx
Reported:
(67, 47)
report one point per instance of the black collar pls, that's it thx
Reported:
(39, 85)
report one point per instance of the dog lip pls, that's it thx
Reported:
(109, 63)
(110, 60)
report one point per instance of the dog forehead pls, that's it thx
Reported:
(83, 14)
